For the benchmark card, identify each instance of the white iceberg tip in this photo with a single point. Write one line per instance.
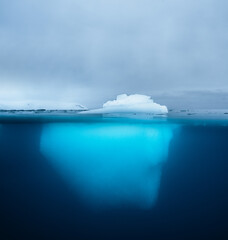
(134, 103)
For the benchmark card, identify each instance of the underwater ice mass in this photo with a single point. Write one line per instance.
(109, 164)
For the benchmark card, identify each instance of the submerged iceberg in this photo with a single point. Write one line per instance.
(109, 163)
(134, 103)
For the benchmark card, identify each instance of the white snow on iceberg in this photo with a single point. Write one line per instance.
(135, 103)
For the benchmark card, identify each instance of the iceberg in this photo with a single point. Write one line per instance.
(109, 164)
(135, 103)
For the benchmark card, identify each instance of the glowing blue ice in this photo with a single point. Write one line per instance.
(110, 164)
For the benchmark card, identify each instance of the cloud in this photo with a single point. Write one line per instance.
(108, 47)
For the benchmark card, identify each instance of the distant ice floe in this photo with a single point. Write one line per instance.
(47, 105)
(134, 103)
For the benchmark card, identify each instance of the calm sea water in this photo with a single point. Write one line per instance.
(113, 179)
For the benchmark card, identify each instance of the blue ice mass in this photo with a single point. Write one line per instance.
(111, 164)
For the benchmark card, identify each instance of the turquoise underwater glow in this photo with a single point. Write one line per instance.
(109, 164)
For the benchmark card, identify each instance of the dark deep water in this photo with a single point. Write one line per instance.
(192, 203)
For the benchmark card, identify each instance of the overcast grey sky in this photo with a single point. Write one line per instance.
(89, 51)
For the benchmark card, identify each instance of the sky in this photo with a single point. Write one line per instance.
(89, 51)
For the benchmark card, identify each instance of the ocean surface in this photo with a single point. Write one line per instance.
(70, 176)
